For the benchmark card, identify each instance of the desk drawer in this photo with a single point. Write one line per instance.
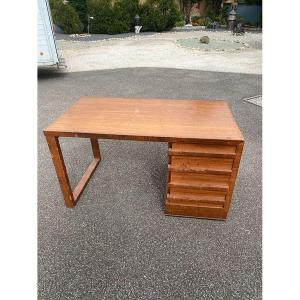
(202, 164)
(200, 181)
(180, 195)
(221, 151)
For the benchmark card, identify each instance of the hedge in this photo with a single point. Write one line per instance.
(159, 15)
(65, 17)
(109, 18)
(106, 18)
(127, 10)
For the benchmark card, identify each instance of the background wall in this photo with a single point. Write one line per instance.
(251, 13)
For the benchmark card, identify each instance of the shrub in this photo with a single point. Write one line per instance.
(108, 18)
(80, 7)
(180, 23)
(65, 17)
(126, 10)
(158, 15)
(207, 22)
(201, 21)
(218, 16)
(195, 20)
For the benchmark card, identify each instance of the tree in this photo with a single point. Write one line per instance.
(211, 5)
(186, 6)
(214, 6)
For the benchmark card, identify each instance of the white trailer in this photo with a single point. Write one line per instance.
(47, 50)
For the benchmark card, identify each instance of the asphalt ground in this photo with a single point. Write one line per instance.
(117, 243)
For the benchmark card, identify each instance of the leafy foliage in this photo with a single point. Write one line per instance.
(107, 18)
(180, 23)
(201, 21)
(159, 15)
(112, 17)
(65, 16)
(215, 13)
(80, 7)
(127, 10)
(213, 5)
(220, 15)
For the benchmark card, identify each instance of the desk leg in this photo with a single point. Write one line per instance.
(95, 148)
(71, 198)
(61, 170)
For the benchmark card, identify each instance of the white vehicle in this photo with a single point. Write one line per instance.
(47, 50)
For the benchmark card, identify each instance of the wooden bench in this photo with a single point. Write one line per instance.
(205, 147)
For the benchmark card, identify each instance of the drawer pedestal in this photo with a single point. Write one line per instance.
(201, 179)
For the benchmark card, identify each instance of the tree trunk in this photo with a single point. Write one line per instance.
(187, 5)
(216, 5)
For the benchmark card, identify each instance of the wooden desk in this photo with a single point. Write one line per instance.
(205, 147)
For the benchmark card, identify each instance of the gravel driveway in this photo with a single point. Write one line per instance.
(159, 50)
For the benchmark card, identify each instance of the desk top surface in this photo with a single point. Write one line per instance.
(147, 119)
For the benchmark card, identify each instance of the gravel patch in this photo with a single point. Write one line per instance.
(213, 45)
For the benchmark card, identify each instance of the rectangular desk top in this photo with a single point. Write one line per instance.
(147, 119)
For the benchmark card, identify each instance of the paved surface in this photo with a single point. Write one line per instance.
(101, 52)
(117, 243)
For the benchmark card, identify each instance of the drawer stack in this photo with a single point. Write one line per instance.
(201, 179)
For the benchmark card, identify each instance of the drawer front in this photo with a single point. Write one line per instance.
(203, 150)
(200, 181)
(181, 192)
(178, 195)
(195, 211)
(201, 163)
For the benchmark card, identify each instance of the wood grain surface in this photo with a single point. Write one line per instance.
(148, 119)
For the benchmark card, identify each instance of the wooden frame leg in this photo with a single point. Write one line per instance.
(71, 198)
(89, 171)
